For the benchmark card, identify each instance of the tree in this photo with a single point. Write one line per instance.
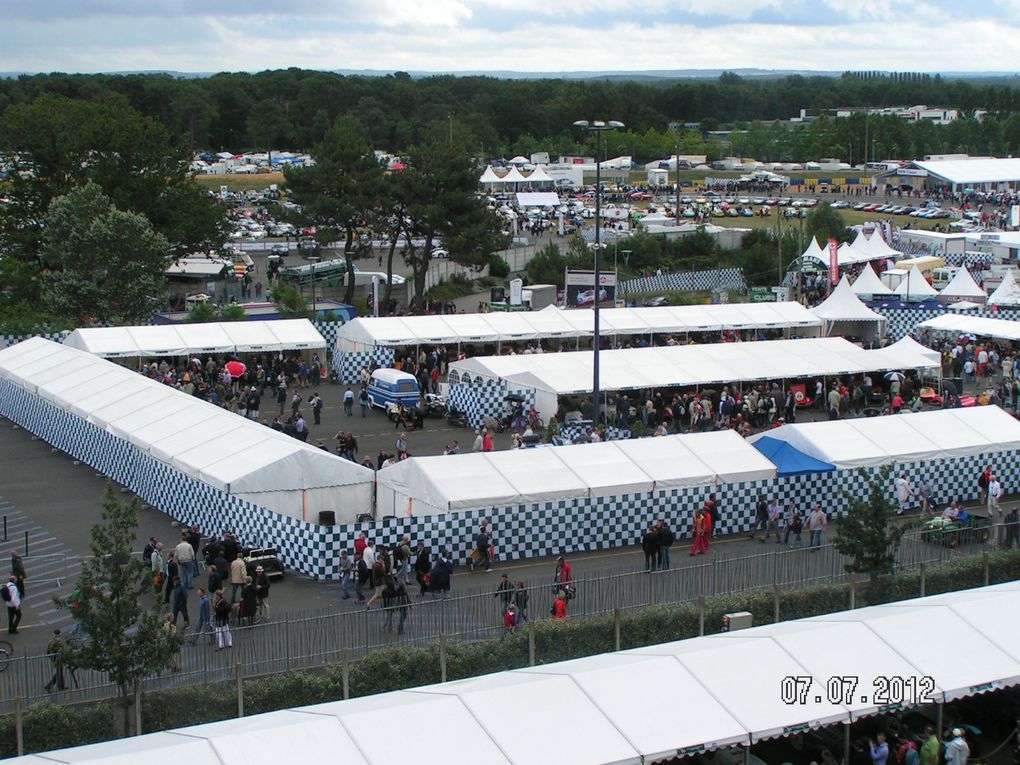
(439, 186)
(103, 264)
(824, 223)
(547, 266)
(289, 301)
(866, 536)
(341, 191)
(122, 638)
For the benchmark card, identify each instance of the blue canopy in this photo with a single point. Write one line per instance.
(788, 459)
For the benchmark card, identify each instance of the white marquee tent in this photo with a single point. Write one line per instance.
(876, 441)
(551, 322)
(845, 314)
(874, 244)
(226, 451)
(973, 325)
(489, 176)
(1007, 293)
(188, 339)
(861, 250)
(615, 700)
(680, 365)
(432, 485)
(915, 287)
(963, 287)
(868, 285)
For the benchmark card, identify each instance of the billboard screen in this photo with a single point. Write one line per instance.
(581, 293)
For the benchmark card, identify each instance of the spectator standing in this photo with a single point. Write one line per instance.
(559, 606)
(13, 598)
(521, 602)
(18, 572)
(957, 750)
(347, 568)
(262, 592)
(509, 620)
(775, 512)
(363, 401)
(180, 602)
(818, 524)
(205, 626)
(650, 547)
(349, 402)
(238, 574)
(666, 540)
(563, 577)
(702, 530)
(221, 613)
(315, 401)
(184, 554)
(504, 591)
(879, 749)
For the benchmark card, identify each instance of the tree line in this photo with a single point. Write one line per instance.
(295, 108)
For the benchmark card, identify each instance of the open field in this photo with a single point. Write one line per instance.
(246, 182)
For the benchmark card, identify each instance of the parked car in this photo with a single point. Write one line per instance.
(588, 296)
(655, 302)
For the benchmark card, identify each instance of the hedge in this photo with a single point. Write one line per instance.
(48, 726)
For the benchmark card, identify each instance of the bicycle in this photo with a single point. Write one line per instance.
(6, 654)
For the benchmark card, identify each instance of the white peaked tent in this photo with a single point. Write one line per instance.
(908, 346)
(815, 251)
(539, 176)
(518, 160)
(230, 453)
(845, 314)
(489, 176)
(869, 285)
(873, 245)
(1007, 293)
(979, 326)
(514, 176)
(914, 287)
(877, 441)
(963, 287)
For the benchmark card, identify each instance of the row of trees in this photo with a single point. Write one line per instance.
(296, 108)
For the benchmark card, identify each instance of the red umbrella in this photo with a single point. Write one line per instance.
(236, 369)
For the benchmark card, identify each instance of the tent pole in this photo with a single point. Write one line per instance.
(938, 718)
(846, 743)
(747, 754)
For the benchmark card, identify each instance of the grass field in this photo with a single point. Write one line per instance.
(850, 217)
(255, 182)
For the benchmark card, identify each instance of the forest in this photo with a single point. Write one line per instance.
(294, 108)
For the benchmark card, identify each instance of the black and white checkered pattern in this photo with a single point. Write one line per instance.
(692, 281)
(479, 398)
(348, 366)
(901, 320)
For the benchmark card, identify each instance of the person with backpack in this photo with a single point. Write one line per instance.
(666, 540)
(12, 597)
(402, 559)
(395, 599)
(441, 574)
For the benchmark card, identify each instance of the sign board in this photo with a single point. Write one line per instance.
(782, 294)
(223, 192)
(581, 291)
(274, 187)
(833, 261)
(516, 287)
(720, 296)
(912, 172)
(760, 295)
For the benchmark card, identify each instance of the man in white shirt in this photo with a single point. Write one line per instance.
(184, 554)
(904, 491)
(775, 518)
(994, 493)
(13, 598)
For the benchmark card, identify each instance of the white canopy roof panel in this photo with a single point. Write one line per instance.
(679, 365)
(189, 339)
(843, 305)
(915, 286)
(869, 283)
(201, 440)
(963, 285)
(973, 325)
(870, 442)
(725, 690)
(554, 322)
(522, 476)
(1007, 293)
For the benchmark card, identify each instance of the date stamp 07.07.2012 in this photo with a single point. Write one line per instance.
(848, 690)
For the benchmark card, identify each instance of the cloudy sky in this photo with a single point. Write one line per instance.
(520, 35)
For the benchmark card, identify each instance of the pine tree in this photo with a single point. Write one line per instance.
(120, 636)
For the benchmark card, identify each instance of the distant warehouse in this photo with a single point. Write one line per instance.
(957, 173)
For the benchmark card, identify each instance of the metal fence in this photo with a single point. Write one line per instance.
(293, 641)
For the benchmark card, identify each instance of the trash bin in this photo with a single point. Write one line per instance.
(327, 518)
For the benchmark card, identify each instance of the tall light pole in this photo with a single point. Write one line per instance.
(598, 127)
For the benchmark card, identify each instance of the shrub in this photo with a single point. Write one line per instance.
(498, 267)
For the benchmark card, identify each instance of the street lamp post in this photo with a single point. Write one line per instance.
(598, 127)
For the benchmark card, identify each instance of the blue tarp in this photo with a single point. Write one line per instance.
(790, 460)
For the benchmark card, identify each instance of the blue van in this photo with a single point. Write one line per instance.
(389, 386)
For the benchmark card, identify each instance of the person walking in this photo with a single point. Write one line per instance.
(205, 626)
(349, 402)
(363, 401)
(238, 573)
(775, 511)
(666, 540)
(509, 621)
(702, 529)
(796, 529)
(13, 598)
(18, 572)
(559, 607)
(521, 602)
(180, 602)
(904, 491)
(483, 540)
(221, 613)
(262, 593)
(563, 577)
(346, 567)
(422, 567)
(315, 401)
(504, 591)
(402, 559)
(184, 554)
(55, 650)
(818, 524)
(378, 581)
(650, 547)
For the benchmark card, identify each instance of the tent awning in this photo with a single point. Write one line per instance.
(789, 460)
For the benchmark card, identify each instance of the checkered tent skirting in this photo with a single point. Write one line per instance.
(692, 281)
(571, 434)
(901, 320)
(478, 398)
(348, 365)
(520, 531)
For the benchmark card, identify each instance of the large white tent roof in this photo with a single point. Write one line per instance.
(554, 322)
(524, 476)
(681, 365)
(915, 287)
(228, 452)
(869, 283)
(615, 700)
(973, 171)
(187, 339)
(876, 441)
(973, 325)
(963, 285)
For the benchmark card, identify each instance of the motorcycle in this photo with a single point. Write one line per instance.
(456, 418)
(435, 405)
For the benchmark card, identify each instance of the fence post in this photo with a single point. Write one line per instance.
(345, 673)
(19, 730)
(138, 708)
(286, 630)
(616, 628)
(924, 571)
(775, 604)
(531, 643)
(853, 590)
(442, 657)
(26, 544)
(985, 567)
(701, 616)
(240, 689)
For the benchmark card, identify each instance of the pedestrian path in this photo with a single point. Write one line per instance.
(52, 569)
